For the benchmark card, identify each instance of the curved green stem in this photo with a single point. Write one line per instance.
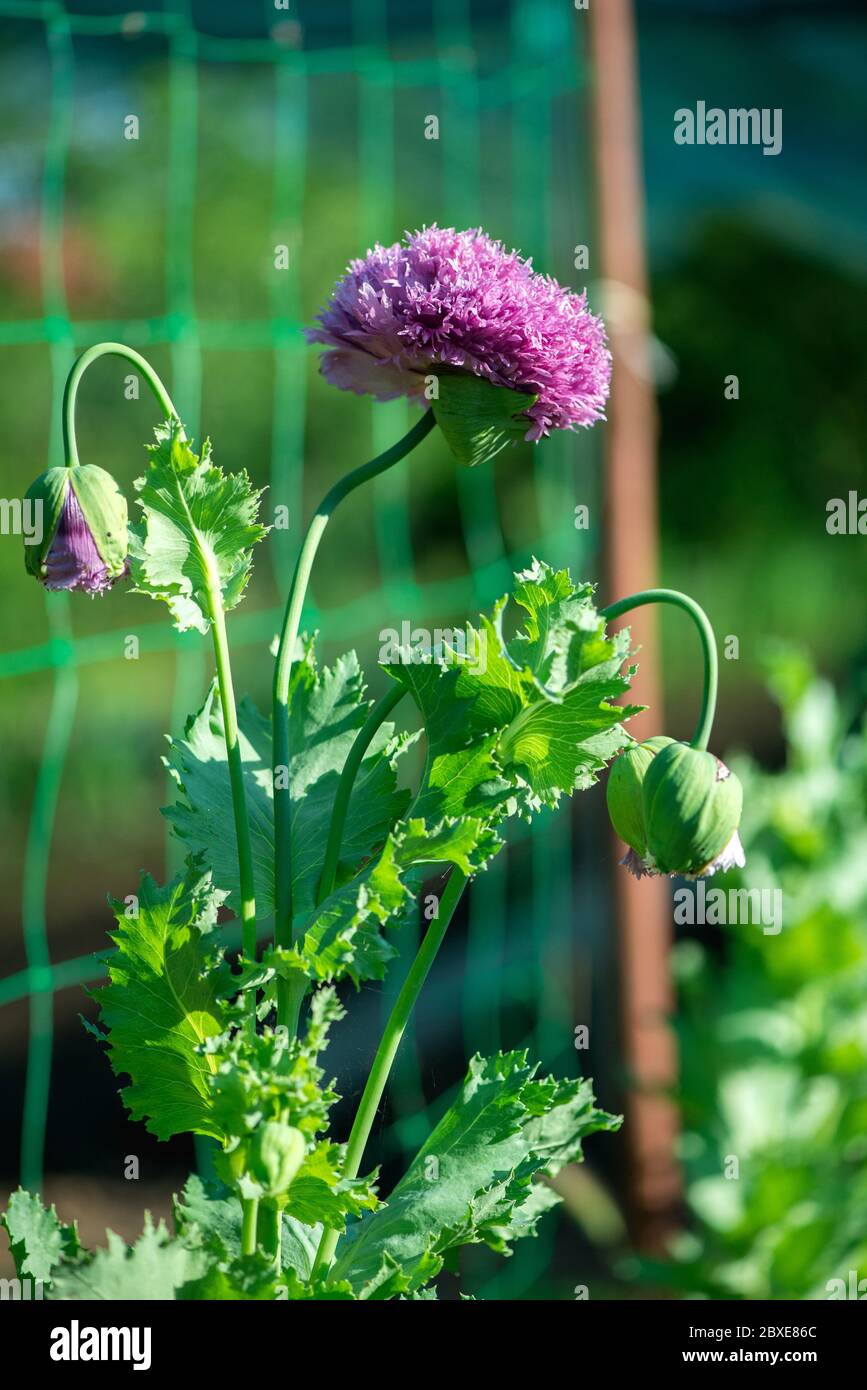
(287, 1005)
(70, 446)
(389, 1043)
(378, 714)
(708, 642)
(216, 614)
(249, 1217)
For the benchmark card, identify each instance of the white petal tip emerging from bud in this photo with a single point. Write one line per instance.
(732, 857)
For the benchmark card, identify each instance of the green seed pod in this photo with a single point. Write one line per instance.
(276, 1152)
(692, 809)
(82, 529)
(623, 792)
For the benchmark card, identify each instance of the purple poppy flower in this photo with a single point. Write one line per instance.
(83, 540)
(460, 300)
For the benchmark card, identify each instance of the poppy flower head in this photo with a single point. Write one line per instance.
(460, 300)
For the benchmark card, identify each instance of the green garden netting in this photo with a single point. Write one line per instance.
(507, 84)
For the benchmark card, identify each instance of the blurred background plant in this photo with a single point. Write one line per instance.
(773, 1025)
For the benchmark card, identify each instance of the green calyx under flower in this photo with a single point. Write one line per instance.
(678, 808)
(478, 419)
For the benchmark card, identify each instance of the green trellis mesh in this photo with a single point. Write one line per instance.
(507, 82)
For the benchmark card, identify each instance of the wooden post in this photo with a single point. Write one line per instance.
(643, 909)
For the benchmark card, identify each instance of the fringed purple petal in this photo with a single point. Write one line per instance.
(636, 865)
(368, 376)
(73, 561)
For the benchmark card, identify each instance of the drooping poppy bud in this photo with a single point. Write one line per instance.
(692, 808)
(84, 539)
(624, 791)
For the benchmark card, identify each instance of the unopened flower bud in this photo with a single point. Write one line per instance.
(83, 543)
(624, 791)
(692, 808)
(276, 1153)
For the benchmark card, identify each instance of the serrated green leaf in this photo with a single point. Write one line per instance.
(198, 528)
(498, 1219)
(38, 1239)
(343, 935)
(320, 1196)
(333, 1292)
(391, 1280)
(216, 1215)
(248, 1278)
(515, 724)
(162, 1003)
(473, 1179)
(466, 842)
(510, 725)
(462, 776)
(272, 1080)
(153, 1269)
(530, 719)
(241, 1280)
(328, 708)
(563, 636)
(557, 748)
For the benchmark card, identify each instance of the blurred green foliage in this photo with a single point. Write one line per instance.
(744, 482)
(773, 1027)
